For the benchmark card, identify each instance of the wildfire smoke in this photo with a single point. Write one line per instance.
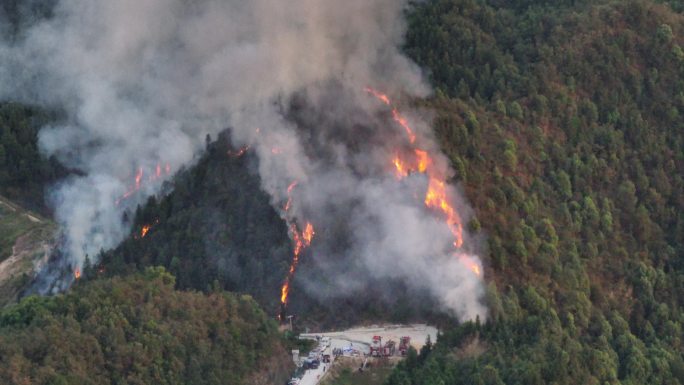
(436, 196)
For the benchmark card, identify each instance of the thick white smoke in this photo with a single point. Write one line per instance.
(143, 82)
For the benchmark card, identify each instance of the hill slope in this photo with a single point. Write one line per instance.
(565, 125)
(563, 121)
(139, 330)
(26, 240)
(217, 228)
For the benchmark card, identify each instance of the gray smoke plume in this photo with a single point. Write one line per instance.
(142, 82)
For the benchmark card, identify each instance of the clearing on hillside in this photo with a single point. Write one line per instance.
(26, 240)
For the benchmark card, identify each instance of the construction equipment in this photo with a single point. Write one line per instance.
(404, 343)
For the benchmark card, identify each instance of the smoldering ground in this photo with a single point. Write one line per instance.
(142, 82)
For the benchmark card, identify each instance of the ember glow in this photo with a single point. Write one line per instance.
(77, 273)
(145, 229)
(382, 97)
(239, 152)
(139, 179)
(437, 196)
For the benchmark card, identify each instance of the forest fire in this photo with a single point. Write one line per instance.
(77, 273)
(289, 196)
(139, 175)
(395, 113)
(436, 196)
(401, 168)
(239, 152)
(301, 241)
(145, 229)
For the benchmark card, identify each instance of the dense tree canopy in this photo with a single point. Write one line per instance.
(138, 330)
(24, 172)
(564, 123)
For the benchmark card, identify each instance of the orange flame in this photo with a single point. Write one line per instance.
(384, 98)
(77, 273)
(471, 264)
(423, 160)
(395, 113)
(301, 241)
(288, 204)
(144, 231)
(400, 166)
(436, 196)
(284, 292)
(404, 123)
(156, 175)
(308, 233)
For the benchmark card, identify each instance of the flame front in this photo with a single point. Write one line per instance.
(301, 240)
(404, 123)
(436, 197)
(144, 231)
(382, 97)
(77, 273)
(139, 174)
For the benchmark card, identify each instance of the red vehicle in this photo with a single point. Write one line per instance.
(404, 344)
(376, 347)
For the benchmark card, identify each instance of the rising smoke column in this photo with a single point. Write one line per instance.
(142, 82)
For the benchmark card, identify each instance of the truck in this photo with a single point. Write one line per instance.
(388, 350)
(376, 349)
(404, 343)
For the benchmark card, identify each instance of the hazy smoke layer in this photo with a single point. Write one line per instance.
(143, 82)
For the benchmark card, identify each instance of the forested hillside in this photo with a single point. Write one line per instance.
(24, 172)
(564, 123)
(216, 228)
(216, 225)
(139, 330)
